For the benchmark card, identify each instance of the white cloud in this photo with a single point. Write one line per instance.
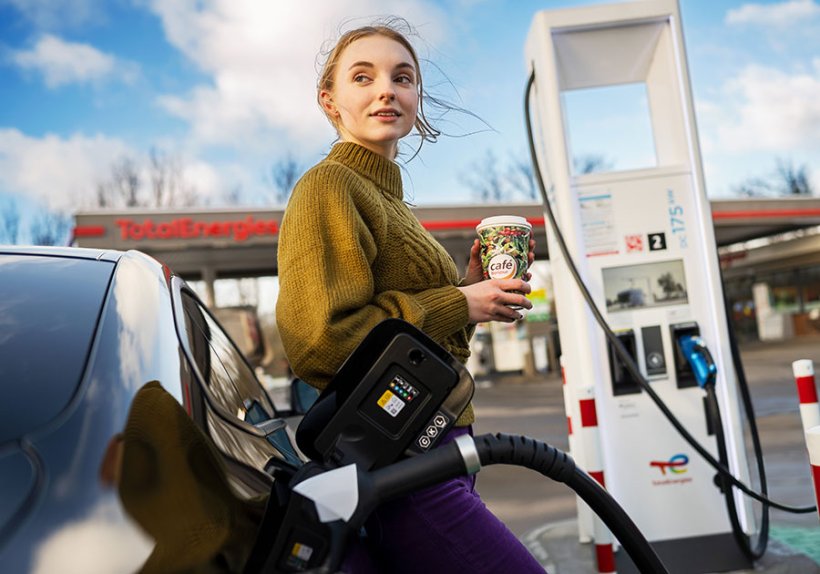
(52, 14)
(778, 15)
(61, 62)
(64, 172)
(261, 57)
(55, 170)
(204, 178)
(765, 109)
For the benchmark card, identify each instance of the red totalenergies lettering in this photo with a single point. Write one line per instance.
(187, 228)
(675, 465)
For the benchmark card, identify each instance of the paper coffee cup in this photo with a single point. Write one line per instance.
(505, 246)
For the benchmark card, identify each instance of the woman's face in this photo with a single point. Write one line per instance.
(375, 95)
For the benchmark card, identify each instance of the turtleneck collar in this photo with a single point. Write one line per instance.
(375, 167)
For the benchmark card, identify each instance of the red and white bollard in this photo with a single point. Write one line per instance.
(806, 393)
(813, 444)
(604, 550)
(585, 514)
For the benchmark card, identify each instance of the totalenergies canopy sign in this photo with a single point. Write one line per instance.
(189, 228)
(120, 230)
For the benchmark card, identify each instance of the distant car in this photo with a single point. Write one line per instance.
(631, 298)
(134, 436)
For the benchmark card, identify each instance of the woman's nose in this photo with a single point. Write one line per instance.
(387, 92)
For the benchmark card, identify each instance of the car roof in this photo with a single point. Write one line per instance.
(58, 251)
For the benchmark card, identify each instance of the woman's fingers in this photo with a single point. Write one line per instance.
(474, 271)
(513, 285)
(496, 300)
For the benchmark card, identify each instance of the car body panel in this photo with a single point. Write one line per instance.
(60, 501)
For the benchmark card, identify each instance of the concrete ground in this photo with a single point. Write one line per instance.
(542, 513)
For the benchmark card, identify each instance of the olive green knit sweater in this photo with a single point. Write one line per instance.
(351, 254)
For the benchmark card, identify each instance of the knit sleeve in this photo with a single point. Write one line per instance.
(327, 301)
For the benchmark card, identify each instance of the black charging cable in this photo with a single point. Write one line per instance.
(454, 459)
(466, 455)
(745, 393)
(629, 363)
(705, 371)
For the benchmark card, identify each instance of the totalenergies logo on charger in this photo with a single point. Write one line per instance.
(675, 465)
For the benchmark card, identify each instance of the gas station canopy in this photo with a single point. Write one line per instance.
(241, 242)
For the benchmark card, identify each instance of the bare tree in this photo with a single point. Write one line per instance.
(10, 222)
(491, 179)
(521, 177)
(794, 181)
(160, 172)
(168, 185)
(483, 177)
(284, 173)
(50, 228)
(754, 187)
(165, 174)
(126, 181)
(786, 180)
(590, 163)
(121, 189)
(234, 195)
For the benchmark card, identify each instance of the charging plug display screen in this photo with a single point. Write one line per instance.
(393, 403)
(399, 393)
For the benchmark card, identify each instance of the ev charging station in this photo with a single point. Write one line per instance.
(643, 242)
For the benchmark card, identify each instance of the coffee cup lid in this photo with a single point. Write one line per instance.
(503, 220)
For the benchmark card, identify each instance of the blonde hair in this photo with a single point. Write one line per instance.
(389, 28)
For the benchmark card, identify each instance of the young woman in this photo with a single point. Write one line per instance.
(351, 253)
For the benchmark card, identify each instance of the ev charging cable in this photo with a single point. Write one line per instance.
(619, 347)
(370, 489)
(703, 366)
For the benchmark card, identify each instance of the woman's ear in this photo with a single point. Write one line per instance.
(327, 103)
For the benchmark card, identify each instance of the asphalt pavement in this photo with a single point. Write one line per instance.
(542, 513)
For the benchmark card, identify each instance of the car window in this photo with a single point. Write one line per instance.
(228, 378)
(49, 307)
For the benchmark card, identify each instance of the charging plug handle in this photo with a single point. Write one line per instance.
(697, 353)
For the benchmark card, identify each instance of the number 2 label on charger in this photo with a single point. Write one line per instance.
(391, 403)
(657, 241)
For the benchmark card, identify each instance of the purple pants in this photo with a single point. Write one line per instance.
(444, 528)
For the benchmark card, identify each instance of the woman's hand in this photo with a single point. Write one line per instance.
(530, 258)
(475, 272)
(489, 300)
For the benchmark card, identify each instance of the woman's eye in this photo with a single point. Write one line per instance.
(404, 79)
(358, 78)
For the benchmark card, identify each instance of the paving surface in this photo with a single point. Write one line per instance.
(542, 513)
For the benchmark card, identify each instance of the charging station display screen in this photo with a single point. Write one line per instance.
(393, 402)
(645, 285)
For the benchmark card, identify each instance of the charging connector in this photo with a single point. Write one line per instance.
(700, 359)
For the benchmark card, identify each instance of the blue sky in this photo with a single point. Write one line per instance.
(226, 88)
